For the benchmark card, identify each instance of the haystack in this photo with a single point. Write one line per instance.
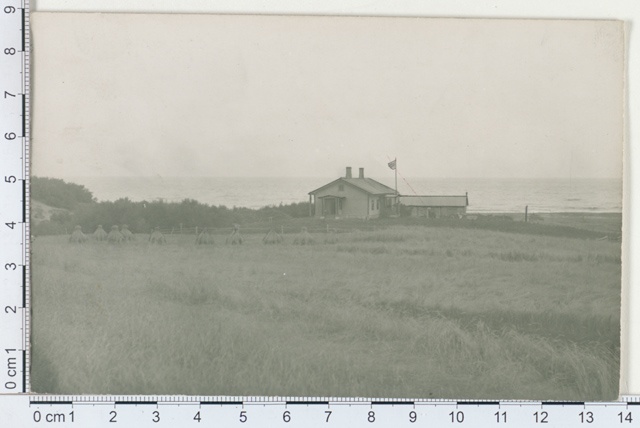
(114, 235)
(126, 233)
(235, 237)
(77, 237)
(272, 237)
(157, 237)
(331, 237)
(204, 238)
(303, 238)
(100, 234)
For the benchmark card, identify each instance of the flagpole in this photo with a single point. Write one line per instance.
(396, 171)
(397, 199)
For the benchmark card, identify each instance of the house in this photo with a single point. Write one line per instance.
(351, 197)
(434, 206)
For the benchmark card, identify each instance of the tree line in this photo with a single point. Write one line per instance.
(79, 207)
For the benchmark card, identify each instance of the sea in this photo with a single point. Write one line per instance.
(486, 195)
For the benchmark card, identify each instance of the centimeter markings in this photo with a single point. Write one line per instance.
(26, 164)
(283, 411)
(14, 210)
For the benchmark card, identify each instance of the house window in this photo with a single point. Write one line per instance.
(340, 204)
(377, 204)
(372, 205)
(341, 188)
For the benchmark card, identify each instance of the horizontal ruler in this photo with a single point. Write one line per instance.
(136, 411)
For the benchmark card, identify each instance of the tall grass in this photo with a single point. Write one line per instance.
(403, 312)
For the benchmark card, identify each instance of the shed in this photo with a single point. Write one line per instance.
(435, 206)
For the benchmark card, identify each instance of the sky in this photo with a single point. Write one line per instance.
(275, 96)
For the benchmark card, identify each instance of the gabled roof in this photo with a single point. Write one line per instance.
(333, 196)
(368, 185)
(434, 201)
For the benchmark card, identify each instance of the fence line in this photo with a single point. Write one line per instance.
(260, 229)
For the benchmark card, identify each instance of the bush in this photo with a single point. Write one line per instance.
(58, 193)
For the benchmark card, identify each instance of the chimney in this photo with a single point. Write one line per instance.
(361, 172)
(348, 172)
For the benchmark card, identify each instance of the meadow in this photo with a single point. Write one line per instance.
(401, 311)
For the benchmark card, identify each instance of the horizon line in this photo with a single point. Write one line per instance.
(318, 177)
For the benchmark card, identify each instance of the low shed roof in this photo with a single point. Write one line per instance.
(434, 201)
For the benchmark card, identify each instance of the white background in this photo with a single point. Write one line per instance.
(628, 10)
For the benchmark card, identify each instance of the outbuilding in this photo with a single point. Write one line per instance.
(434, 206)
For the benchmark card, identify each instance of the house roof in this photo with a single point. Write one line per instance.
(333, 196)
(368, 185)
(434, 201)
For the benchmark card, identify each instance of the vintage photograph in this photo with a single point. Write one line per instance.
(326, 206)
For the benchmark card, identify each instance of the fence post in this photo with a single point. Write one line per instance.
(526, 213)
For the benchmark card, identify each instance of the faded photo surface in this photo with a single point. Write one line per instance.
(326, 206)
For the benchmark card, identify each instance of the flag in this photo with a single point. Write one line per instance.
(392, 164)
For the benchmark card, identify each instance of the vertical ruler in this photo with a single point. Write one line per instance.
(14, 195)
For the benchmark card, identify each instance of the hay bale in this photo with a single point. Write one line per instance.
(100, 234)
(331, 237)
(77, 237)
(303, 238)
(126, 233)
(272, 237)
(235, 237)
(157, 237)
(115, 237)
(204, 238)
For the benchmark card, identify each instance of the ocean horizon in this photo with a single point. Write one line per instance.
(485, 194)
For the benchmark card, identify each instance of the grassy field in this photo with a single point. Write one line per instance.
(403, 311)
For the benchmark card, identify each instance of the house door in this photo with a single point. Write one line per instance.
(329, 207)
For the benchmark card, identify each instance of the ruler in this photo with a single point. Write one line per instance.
(14, 194)
(19, 408)
(149, 411)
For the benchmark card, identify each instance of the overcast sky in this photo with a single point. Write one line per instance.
(170, 95)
